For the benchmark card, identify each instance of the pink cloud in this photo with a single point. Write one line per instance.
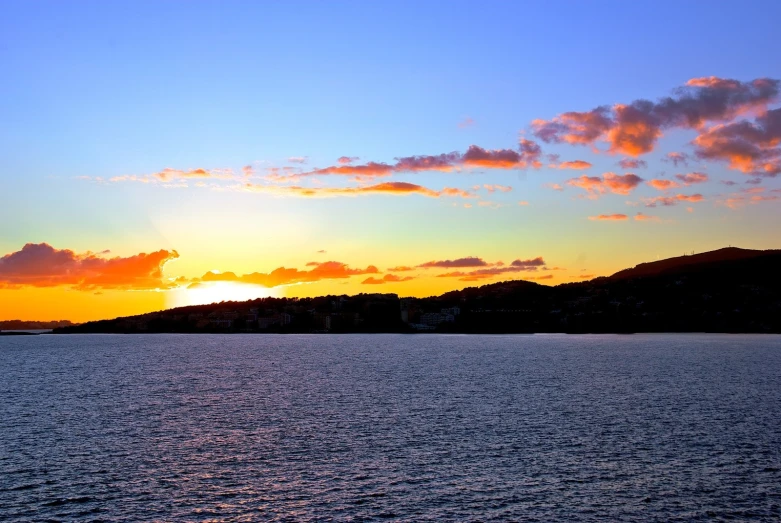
(575, 164)
(663, 185)
(610, 182)
(634, 128)
(751, 147)
(692, 178)
(609, 217)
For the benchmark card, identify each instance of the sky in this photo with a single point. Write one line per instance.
(158, 154)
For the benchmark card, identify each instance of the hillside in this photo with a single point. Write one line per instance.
(728, 290)
(694, 261)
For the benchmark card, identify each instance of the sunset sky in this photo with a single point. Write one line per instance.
(156, 154)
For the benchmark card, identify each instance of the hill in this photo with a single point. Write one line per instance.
(694, 261)
(728, 290)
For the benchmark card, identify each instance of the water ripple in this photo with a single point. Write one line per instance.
(403, 428)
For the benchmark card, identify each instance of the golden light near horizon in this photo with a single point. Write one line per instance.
(204, 293)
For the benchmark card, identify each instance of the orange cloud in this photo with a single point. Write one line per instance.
(662, 185)
(401, 268)
(609, 217)
(396, 188)
(574, 127)
(369, 170)
(668, 201)
(527, 155)
(646, 218)
(610, 182)
(388, 278)
(751, 147)
(283, 276)
(41, 265)
(502, 188)
(493, 159)
(575, 164)
(634, 128)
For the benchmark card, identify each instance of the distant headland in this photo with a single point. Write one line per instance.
(727, 290)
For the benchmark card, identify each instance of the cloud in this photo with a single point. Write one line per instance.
(628, 163)
(466, 122)
(345, 160)
(523, 203)
(41, 265)
(646, 218)
(168, 176)
(663, 185)
(388, 278)
(575, 164)
(691, 178)
(475, 157)
(750, 147)
(669, 201)
(496, 187)
(574, 127)
(284, 276)
(401, 268)
(469, 261)
(248, 170)
(610, 182)
(633, 129)
(298, 159)
(554, 186)
(394, 188)
(484, 269)
(534, 262)
(491, 272)
(609, 217)
(368, 170)
(676, 158)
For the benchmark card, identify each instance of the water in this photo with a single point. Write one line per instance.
(410, 428)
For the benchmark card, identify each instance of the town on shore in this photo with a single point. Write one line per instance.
(728, 290)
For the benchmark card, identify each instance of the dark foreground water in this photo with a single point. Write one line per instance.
(415, 428)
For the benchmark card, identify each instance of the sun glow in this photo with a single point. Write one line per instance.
(213, 292)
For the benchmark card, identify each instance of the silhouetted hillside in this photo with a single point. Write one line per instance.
(729, 290)
(682, 263)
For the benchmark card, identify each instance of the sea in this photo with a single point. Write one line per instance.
(672, 427)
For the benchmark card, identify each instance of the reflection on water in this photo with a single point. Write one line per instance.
(297, 428)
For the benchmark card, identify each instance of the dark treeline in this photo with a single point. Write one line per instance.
(729, 290)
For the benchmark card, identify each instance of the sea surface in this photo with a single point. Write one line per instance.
(393, 427)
